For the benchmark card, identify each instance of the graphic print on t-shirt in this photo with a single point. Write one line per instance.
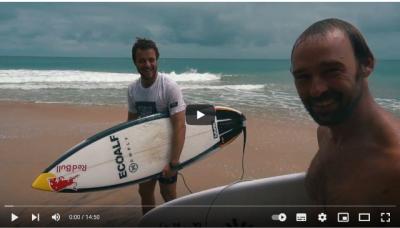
(145, 108)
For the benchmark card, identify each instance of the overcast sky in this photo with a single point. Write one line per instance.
(195, 30)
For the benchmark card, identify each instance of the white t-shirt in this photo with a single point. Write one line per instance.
(163, 96)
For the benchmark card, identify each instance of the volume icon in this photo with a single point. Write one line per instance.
(56, 217)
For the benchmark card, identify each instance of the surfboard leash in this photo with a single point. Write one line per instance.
(184, 182)
(243, 119)
(235, 182)
(244, 144)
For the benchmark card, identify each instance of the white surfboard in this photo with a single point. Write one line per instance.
(247, 203)
(135, 151)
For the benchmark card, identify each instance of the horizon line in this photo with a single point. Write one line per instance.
(121, 57)
(202, 58)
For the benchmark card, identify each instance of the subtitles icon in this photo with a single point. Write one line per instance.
(56, 217)
(364, 217)
(343, 217)
(301, 217)
(281, 217)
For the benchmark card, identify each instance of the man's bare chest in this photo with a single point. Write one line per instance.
(348, 177)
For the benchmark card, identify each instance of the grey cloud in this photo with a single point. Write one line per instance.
(251, 30)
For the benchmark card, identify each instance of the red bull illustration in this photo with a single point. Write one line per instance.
(59, 183)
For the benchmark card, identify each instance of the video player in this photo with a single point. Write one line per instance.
(291, 121)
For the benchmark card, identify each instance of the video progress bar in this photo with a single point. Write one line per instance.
(239, 206)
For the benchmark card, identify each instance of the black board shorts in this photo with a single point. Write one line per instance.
(168, 180)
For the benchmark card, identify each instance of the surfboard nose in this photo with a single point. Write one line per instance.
(42, 182)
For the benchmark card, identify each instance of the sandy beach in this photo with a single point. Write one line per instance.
(33, 135)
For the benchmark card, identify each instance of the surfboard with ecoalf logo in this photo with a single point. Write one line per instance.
(136, 151)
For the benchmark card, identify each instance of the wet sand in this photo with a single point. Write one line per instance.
(33, 135)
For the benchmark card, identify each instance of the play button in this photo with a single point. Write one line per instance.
(200, 114)
(13, 217)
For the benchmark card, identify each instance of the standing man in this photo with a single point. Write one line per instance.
(155, 93)
(358, 161)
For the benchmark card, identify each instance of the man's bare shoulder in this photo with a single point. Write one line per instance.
(392, 127)
(391, 159)
(316, 165)
(315, 172)
(392, 148)
(384, 163)
(388, 170)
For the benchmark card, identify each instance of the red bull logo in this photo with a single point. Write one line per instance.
(60, 183)
(71, 168)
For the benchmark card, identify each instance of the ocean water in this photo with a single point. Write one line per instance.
(258, 86)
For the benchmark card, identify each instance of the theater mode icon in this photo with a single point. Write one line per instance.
(364, 217)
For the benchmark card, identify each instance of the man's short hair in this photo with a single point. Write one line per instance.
(360, 46)
(144, 44)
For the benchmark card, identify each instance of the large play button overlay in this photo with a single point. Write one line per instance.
(200, 114)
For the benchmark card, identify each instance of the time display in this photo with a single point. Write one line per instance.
(84, 217)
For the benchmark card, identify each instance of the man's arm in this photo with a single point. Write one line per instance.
(178, 139)
(178, 136)
(389, 176)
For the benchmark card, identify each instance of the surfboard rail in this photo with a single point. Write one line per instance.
(249, 202)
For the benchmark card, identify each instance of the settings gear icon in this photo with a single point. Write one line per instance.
(322, 217)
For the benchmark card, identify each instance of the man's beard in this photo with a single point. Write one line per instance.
(343, 110)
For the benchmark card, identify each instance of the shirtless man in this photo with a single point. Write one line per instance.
(358, 161)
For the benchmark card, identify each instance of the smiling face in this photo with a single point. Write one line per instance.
(327, 76)
(146, 65)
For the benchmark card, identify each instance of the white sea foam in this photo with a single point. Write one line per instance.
(223, 87)
(392, 104)
(23, 76)
(193, 75)
(53, 79)
(75, 85)
(60, 76)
